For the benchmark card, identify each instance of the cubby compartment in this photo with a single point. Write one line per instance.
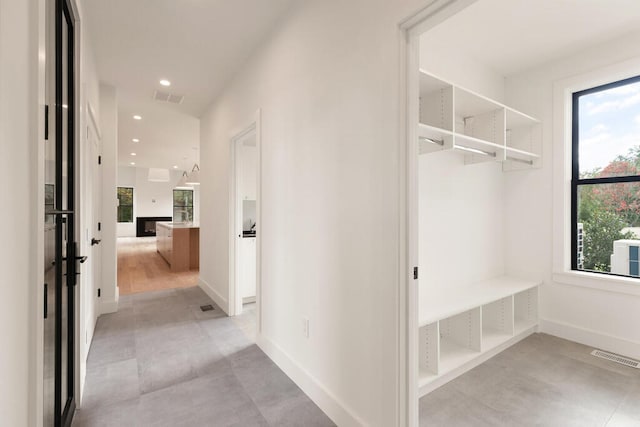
(436, 102)
(526, 309)
(460, 339)
(523, 141)
(429, 354)
(497, 322)
(436, 114)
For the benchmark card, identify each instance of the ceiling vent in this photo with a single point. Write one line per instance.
(168, 97)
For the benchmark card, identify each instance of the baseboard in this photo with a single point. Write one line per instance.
(107, 307)
(591, 338)
(339, 413)
(214, 295)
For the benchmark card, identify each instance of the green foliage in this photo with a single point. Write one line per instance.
(600, 231)
(125, 204)
(621, 198)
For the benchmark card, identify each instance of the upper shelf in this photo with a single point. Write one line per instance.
(455, 118)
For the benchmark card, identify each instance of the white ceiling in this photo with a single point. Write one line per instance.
(514, 35)
(196, 44)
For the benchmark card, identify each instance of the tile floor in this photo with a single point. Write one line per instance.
(541, 381)
(161, 361)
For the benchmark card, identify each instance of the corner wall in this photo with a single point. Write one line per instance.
(594, 317)
(327, 84)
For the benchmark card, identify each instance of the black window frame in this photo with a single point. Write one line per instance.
(179, 206)
(121, 205)
(576, 181)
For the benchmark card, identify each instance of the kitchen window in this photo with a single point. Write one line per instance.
(182, 205)
(125, 204)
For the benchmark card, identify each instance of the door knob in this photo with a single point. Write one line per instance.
(95, 241)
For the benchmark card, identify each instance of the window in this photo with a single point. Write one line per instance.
(125, 204)
(605, 181)
(182, 205)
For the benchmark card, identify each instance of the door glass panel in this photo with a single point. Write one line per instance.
(65, 177)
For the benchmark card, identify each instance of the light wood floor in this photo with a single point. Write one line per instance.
(142, 269)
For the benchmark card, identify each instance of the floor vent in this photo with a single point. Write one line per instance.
(208, 307)
(615, 358)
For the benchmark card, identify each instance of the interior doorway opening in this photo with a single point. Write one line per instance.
(244, 254)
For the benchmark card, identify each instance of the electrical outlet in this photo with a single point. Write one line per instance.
(305, 327)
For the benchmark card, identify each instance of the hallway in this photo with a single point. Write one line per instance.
(162, 361)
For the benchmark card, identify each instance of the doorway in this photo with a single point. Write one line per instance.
(61, 263)
(244, 221)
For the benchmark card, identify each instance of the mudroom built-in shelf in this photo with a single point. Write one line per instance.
(454, 118)
(461, 327)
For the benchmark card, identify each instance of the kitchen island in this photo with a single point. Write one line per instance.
(179, 245)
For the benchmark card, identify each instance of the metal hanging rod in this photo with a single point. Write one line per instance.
(433, 141)
(515, 159)
(476, 151)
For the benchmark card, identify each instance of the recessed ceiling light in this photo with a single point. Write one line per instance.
(135, 140)
(132, 163)
(175, 166)
(165, 82)
(137, 117)
(133, 154)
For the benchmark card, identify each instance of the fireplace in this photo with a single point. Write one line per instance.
(146, 225)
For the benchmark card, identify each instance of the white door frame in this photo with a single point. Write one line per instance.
(235, 222)
(411, 29)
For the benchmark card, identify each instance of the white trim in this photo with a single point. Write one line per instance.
(411, 29)
(562, 122)
(214, 295)
(38, 19)
(107, 307)
(591, 338)
(338, 411)
(234, 304)
(94, 120)
(449, 376)
(601, 282)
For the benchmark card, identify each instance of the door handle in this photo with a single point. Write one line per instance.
(82, 259)
(95, 241)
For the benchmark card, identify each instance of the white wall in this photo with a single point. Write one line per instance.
(439, 58)
(89, 99)
(151, 198)
(461, 207)
(595, 317)
(109, 128)
(21, 226)
(328, 86)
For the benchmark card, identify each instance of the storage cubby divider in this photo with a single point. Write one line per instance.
(459, 327)
(497, 322)
(429, 339)
(454, 118)
(460, 337)
(526, 309)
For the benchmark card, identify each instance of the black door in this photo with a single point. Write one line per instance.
(61, 263)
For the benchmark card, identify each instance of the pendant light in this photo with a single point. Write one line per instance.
(194, 176)
(182, 184)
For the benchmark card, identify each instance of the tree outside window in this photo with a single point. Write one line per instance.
(125, 204)
(182, 205)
